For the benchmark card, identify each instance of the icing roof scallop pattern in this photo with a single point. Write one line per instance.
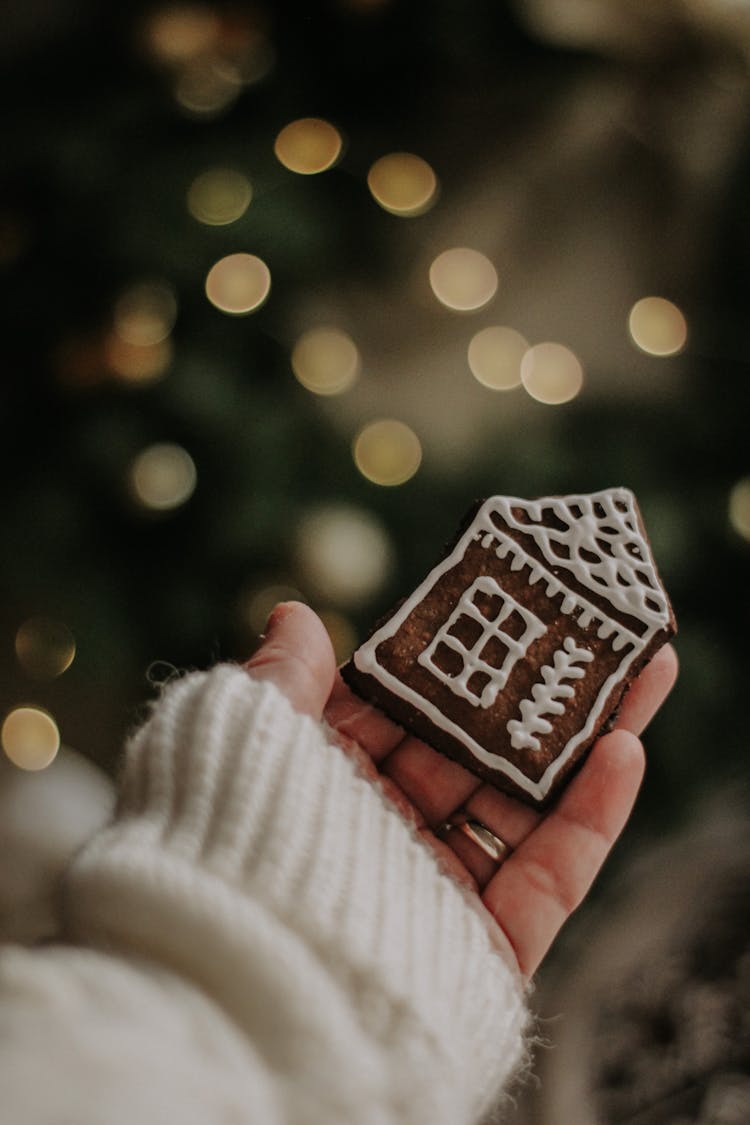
(597, 538)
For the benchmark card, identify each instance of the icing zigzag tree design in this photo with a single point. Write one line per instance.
(546, 696)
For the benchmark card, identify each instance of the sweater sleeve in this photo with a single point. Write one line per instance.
(255, 888)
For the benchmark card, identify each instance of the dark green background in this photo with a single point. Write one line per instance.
(96, 160)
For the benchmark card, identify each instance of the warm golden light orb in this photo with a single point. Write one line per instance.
(657, 326)
(204, 89)
(45, 648)
(495, 355)
(238, 284)
(219, 196)
(134, 363)
(177, 33)
(308, 146)
(551, 373)
(403, 184)
(344, 553)
(247, 58)
(145, 314)
(325, 361)
(30, 738)
(387, 452)
(138, 349)
(163, 477)
(463, 279)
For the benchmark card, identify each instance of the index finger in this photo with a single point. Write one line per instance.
(296, 655)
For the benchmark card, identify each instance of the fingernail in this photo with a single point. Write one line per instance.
(276, 616)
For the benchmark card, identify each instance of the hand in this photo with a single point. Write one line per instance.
(556, 854)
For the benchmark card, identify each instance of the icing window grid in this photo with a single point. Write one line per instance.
(491, 629)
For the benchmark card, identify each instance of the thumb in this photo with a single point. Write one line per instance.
(296, 654)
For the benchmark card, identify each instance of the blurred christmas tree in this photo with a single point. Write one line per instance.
(215, 284)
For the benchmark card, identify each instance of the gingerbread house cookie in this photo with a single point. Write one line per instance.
(514, 653)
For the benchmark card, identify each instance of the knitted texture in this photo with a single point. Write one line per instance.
(250, 858)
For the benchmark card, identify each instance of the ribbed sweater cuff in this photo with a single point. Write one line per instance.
(231, 799)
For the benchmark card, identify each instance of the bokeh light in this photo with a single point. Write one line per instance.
(308, 145)
(234, 42)
(205, 89)
(551, 373)
(326, 361)
(163, 477)
(138, 349)
(45, 648)
(248, 63)
(463, 279)
(739, 507)
(238, 284)
(344, 554)
(219, 196)
(210, 55)
(145, 314)
(136, 363)
(387, 452)
(403, 184)
(657, 326)
(30, 738)
(175, 34)
(495, 356)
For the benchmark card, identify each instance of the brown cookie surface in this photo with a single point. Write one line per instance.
(514, 652)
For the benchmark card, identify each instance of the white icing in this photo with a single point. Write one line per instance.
(546, 695)
(471, 658)
(537, 789)
(623, 538)
(617, 562)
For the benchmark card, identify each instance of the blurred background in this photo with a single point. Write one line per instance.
(285, 288)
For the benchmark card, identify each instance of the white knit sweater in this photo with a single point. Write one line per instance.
(257, 937)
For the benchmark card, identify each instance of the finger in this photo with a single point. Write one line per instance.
(354, 718)
(511, 820)
(508, 818)
(478, 866)
(647, 693)
(541, 884)
(436, 785)
(296, 654)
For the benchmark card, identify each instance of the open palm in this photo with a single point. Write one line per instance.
(557, 854)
